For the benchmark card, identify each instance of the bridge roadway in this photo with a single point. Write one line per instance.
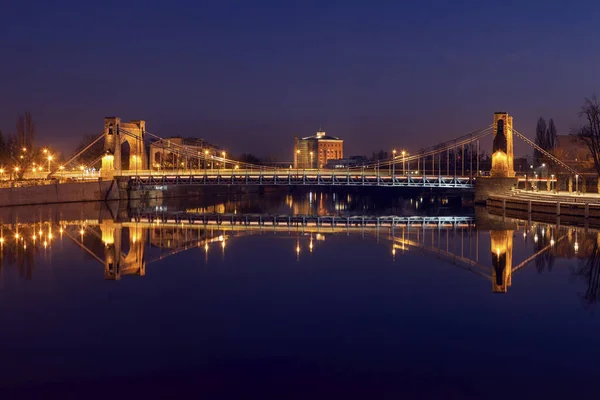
(288, 176)
(295, 177)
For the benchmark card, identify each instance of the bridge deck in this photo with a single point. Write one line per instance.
(293, 177)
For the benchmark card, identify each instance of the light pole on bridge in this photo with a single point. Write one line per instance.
(393, 163)
(403, 160)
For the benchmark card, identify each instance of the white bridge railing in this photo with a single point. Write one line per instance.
(295, 177)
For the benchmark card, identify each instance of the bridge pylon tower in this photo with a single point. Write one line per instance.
(502, 151)
(116, 133)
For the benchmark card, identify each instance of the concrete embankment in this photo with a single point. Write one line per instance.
(59, 193)
(577, 210)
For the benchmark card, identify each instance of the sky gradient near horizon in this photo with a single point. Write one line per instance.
(251, 75)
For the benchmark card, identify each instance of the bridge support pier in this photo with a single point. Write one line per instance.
(485, 187)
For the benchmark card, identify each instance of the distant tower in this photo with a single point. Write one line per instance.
(502, 151)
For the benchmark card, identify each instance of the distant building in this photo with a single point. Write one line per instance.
(316, 151)
(352, 161)
(178, 152)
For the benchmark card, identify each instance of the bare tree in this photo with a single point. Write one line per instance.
(21, 145)
(589, 133)
(25, 130)
(540, 139)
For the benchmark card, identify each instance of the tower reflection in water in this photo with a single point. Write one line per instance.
(129, 247)
(502, 252)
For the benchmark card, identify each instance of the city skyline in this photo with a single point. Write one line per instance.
(249, 77)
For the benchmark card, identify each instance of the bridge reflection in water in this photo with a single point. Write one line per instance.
(129, 247)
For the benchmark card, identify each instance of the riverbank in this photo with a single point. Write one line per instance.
(547, 207)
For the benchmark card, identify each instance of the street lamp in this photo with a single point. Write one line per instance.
(49, 159)
(205, 159)
(403, 159)
(393, 164)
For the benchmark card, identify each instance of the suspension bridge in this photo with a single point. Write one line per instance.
(454, 164)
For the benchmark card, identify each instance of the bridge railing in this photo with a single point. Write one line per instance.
(293, 177)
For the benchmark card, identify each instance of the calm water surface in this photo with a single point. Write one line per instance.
(487, 308)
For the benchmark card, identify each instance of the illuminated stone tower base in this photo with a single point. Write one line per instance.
(502, 150)
(117, 132)
(502, 175)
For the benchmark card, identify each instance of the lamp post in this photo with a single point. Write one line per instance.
(205, 159)
(297, 161)
(543, 166)
(552, 184)
(576, 185)
(393, 164)
(49, 160)
(403, 159)
(224, 163)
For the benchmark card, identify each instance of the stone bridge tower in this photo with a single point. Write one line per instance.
(115, 134)
(502, 151)
(502, 175)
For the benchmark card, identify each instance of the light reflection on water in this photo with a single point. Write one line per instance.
(346, 301)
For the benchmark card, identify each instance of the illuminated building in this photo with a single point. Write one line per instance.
(315, 151)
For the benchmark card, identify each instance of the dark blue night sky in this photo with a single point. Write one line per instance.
(249, 75)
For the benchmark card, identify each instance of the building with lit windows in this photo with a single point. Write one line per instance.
(316, 151)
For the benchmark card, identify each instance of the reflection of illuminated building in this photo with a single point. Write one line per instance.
(502, 247)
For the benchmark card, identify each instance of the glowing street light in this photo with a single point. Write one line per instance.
(393, 165)
(49, 160)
